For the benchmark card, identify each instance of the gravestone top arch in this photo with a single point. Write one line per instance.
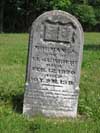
(54, 63)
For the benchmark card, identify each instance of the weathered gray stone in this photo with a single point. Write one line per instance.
(53, 71)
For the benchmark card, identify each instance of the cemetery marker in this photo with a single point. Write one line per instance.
(54, 62)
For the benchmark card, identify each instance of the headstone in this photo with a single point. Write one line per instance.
(54, 62)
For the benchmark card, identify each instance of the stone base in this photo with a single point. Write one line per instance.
(49, 113)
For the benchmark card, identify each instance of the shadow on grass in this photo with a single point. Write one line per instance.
(93, 47)
(17, 102)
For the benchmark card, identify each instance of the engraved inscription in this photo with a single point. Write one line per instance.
(56, 71)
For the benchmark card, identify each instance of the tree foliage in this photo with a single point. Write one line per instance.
(60, 4)
(17, 15)
(85, 14)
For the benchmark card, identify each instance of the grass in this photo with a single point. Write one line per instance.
(13, 54)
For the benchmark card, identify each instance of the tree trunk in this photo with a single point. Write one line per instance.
(1, 15)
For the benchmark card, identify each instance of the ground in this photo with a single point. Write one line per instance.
(13, 54)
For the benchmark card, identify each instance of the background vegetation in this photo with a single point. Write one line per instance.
(13, 54)
(17, 15)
